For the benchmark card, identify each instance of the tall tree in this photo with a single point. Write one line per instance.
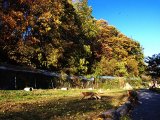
(62, 35)
(153, 65)
(126, 53)
(46, 34)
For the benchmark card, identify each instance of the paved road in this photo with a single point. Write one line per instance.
(149, 109)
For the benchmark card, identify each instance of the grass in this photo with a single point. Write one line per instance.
(56, 104)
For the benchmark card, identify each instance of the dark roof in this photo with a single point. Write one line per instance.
(28, 69)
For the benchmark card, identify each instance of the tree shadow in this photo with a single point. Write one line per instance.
(57, 109)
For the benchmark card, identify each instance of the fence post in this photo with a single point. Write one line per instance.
(15, 82)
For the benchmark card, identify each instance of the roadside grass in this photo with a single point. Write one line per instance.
(56, 104)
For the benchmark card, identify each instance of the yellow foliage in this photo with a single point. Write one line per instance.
(53, 57)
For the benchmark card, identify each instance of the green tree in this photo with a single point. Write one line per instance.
(153, 65)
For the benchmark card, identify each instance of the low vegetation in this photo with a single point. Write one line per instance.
(56, 104)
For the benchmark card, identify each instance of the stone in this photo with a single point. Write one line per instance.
(128, 87)
(122, 110)
(109, 115)
(28, 88)
(64, 88)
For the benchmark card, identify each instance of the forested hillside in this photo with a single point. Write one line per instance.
(63, 36)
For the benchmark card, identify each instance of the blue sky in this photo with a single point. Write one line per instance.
(138, 19)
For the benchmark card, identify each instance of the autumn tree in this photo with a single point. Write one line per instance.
(47, 34)
(63, 36)
(126, 53)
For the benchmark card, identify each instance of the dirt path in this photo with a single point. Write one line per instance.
(149, 109)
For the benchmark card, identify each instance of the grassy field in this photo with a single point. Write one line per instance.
(56, 104)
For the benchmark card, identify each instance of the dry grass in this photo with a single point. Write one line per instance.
(56, 104)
